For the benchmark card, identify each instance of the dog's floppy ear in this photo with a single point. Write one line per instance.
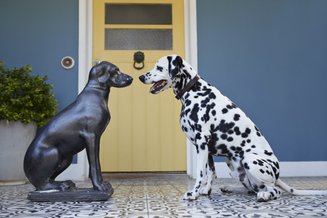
(178, 62)
(177, 65)
(103, 75)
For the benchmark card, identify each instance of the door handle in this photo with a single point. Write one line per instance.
(138, 60)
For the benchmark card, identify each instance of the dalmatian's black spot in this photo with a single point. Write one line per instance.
(244, 135)
(197, 188)
(229, 107)
(187, 102)
(230, 139)
(206, 115)
(237, 130)
(255, 162)
(246, 166)
(212, 96)
(230, 132)
(198, 127)
(224, 111)
(194, 113)
(197, 149)
(258, 132)
(236, 117)
(268, 153)
(198, 136)
(247, 131)
(248, 140)
(213, 112)
(260, 162)
(223, 136)
(185, 112)
(247, 150)
(275, 172)
(225, 127)
(252, 146)
(159, 68)
(262, 171)
(205, 102)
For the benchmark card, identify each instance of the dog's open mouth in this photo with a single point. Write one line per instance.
(158, 86)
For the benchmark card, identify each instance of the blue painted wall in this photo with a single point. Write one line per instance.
(270, 58)
(40, 33)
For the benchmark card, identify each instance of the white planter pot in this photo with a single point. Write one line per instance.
(15, 137)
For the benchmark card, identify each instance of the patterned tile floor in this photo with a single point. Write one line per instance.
(159, 195)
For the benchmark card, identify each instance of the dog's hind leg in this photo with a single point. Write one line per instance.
(262, 175)
(40, 163)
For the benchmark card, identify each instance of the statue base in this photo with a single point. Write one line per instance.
(76, 194)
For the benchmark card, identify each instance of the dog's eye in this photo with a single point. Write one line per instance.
(159, 68)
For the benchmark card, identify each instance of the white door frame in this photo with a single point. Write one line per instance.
(79, 171)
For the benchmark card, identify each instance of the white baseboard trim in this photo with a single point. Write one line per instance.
(287, 169)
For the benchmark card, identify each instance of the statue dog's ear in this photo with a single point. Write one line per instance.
(103, 75)
(177, 65)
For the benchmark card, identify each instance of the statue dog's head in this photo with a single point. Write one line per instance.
(105, 75)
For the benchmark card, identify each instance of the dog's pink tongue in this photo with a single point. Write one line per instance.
(158, 86)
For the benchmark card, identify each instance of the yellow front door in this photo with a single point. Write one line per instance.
(144, 133)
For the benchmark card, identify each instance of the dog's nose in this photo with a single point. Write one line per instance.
(142, 78)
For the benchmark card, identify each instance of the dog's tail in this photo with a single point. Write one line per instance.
(294, 191)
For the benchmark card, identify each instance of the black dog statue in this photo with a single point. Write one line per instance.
(78, 126)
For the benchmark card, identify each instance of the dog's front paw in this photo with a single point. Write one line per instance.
(226, 189)
(191, 195)
(205, 190)
(103, 187)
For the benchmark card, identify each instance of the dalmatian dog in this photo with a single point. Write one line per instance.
(216, 126)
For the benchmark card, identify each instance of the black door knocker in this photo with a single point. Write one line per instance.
(138, 60)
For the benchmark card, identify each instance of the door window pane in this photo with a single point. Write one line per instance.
(138, 39)
(138, 14)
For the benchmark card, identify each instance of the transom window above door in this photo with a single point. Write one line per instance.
(138, 27)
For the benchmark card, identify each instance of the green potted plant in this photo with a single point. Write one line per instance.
(26, 102)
